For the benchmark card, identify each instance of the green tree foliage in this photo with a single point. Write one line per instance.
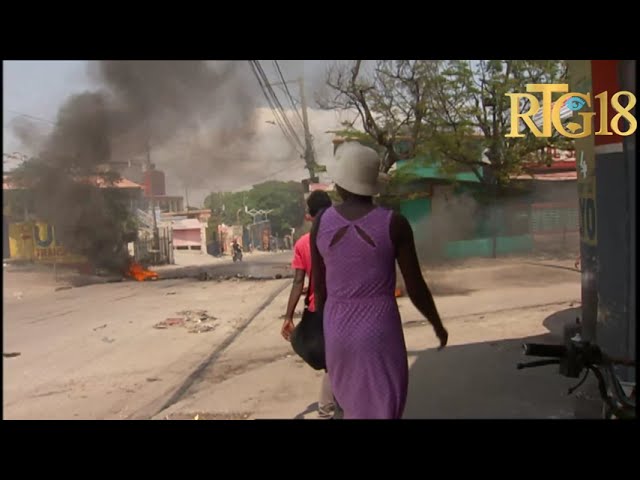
(227, 208)
(453, 112)
(389, 102)
(470, 114)
(284, 199)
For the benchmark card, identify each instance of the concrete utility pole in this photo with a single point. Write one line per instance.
(156, 233)
(606, 194)
(309, 157)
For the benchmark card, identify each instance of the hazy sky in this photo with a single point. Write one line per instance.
(39, 88)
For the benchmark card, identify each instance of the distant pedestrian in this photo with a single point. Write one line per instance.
(301, 264)
(354, 248)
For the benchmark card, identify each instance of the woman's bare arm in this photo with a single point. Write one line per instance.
(417, 289)
(318, 271)
(296, 292)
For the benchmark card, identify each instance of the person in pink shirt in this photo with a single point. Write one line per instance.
(301, 264)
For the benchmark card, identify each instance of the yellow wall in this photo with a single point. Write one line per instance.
(23, 244)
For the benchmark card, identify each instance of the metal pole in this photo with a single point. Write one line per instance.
(308, 148)
(494, 229)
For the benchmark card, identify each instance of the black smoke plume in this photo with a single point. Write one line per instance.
(140, 107)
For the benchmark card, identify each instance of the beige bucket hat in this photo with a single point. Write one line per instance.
(357, 169)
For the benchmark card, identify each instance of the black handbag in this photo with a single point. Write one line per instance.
(307, 339)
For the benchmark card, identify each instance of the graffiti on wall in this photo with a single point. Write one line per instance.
(36, 241)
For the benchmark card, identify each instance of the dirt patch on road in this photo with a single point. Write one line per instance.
(232, 367)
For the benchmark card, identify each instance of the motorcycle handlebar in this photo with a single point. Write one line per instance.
(542, 350)
(537, 363)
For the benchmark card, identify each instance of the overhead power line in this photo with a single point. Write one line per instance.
(284, 84)
(271, 106)
(32, 117)
(276, 107)
(285, 118)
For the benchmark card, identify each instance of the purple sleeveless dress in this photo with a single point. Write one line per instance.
(364, 342)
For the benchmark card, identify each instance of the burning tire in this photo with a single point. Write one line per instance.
(139, 273)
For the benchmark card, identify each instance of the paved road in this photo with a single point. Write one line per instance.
(259, 265)
(489, 312)
(92, 352)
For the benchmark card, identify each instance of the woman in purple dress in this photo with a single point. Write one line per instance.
(354, 247)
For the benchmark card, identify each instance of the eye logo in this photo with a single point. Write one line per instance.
(575, 104)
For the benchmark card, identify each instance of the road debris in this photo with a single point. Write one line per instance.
(202, 328)
(196, 321)
(197, 417)
(170, 293)
(197, 315)
(100, 327)
(170, 322)
(108, 340)
(153, 379)
(11, 354)
(63, 288)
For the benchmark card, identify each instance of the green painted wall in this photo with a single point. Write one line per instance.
(483, 247)
(416, 210)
